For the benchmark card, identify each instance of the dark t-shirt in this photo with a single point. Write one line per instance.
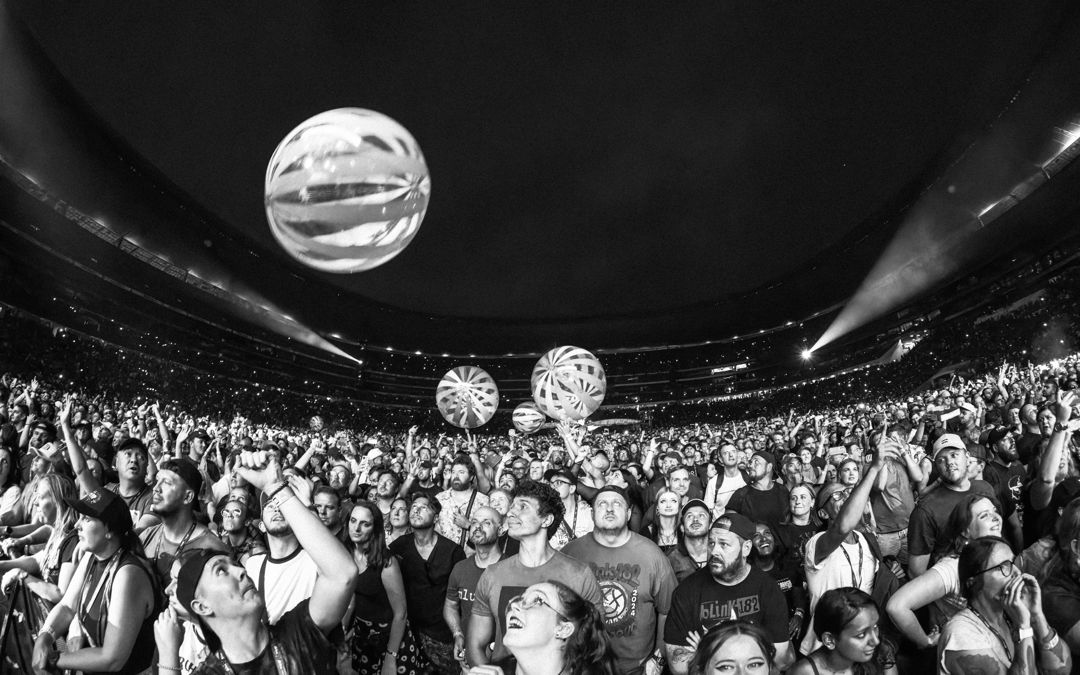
(700, 602)
(793, 540)
(761, 506)
(1027, 447)
(932, 512)
(1061, 604)
(426, 582)
(462, 587)
(300, 643)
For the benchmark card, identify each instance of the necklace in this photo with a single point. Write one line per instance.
(179, 547)
(1004, 644)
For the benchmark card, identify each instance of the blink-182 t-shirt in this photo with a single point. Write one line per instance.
(700, 602)
(636, 581)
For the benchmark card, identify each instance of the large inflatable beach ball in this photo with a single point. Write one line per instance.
(568, 383)
(527, 418)
(316, 423)
(346, 190)
(467, 397)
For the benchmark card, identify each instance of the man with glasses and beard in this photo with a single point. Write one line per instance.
(728, 588)
(635, 578)
(484, 527)
(457, 504)
(577, 518)
(427, 558)
(175, 497)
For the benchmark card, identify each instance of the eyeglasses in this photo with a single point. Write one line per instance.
(1006, 568)
(560, 482)
(536, 600)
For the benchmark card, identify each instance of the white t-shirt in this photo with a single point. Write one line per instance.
(288, 581)
(849, 565)
(965, 632)
(717, 499)
(947, 570)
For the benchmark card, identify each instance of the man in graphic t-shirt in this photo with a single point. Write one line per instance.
(635, 578)
(728, 588)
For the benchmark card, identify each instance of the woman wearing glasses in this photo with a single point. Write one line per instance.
(551, 630)
(1003, 629)
(974, 517)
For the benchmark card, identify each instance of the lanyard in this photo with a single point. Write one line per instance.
(179, 547)
(84, 592)
(571, 530)
(277, 651)
(1004, 644)
(855, 578)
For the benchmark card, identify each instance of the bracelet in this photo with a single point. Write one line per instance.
(1051, 642)
(171, 668)
(1025, 634)
(274, 488)
(281, 496)
(390, 653)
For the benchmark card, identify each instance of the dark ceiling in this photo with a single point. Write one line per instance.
(605, 176)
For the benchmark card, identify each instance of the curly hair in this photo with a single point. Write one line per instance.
(719, 634)
(588, 649)
(547, 500)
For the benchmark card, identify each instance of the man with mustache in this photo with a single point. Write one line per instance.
(484, 527)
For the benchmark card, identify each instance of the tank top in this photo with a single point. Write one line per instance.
(372, 602)
(93, 609)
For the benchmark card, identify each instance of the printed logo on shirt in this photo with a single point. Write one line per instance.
(716, 611)
(619, 589)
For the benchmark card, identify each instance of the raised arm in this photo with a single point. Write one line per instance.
(851, 512)
(87, 482)
(336, 570)
(1042, 488)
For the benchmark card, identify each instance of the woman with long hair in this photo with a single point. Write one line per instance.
(1003, 628)
(551, 630)
(46, 573)
(846, 621)
(11, 506)
(113, 594)
(734, 646)
(664, 529)
(377, 624)
(973, 517)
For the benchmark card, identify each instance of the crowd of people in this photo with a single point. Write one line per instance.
(930, 532)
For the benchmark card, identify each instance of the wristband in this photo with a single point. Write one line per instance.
(281, 496)
(169, 668)
(1025, 634)
(275, 487)
(1051, 642)
(46, 630)
(390, 653)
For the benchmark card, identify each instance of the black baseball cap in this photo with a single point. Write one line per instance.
(106, 506)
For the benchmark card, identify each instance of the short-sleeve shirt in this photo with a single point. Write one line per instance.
(138, 504)
(849, 565)
(636, 582)
(932, 512)
(700, 602)
(163, 552)
(462, 587)
(892, 505)
(761, 506)
(509, 578)
(284, 582)
(451, 505)
(964, 633)
(302, 645)
(579, 523)
(948, 573)
(426, 582)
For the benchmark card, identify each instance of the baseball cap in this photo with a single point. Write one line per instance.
(617, 489)
(948, 442)
(186, 469)
(977, 451)
(997, 435)
(559, 473)
(735, 522)
(693, 503)
(190, 572)
(826, 492)
(106, 506)
(765, 455)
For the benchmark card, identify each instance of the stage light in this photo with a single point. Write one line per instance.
(806, 354)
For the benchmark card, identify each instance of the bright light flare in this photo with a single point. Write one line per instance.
(806, 354)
